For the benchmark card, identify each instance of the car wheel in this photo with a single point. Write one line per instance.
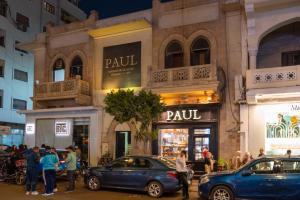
(155, 189)
(221, 193)
(93, 183)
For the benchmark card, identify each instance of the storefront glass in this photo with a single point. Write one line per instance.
(173, 141)
(282, 123)
(15, 137)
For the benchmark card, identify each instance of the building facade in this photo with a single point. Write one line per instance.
(270, 117)
(187, 51)
(19, 24)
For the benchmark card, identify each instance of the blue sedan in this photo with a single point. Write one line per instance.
(263, 178)
(154, 175)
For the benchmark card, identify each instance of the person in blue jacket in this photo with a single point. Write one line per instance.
(32, 170)
(49, 162)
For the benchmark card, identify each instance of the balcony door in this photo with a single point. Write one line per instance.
(59, 70)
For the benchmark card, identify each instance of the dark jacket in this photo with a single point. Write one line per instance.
(32, 159)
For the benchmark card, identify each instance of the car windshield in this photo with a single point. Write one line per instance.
(169, 163)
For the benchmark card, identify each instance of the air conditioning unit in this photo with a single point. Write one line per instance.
(239, 89)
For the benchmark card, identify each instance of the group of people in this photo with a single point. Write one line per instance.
(47, 165)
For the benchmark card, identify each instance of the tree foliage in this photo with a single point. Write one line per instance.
(141, 109)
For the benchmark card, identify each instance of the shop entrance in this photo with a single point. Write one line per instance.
(123, 143)
(81, 140)
(201, 143)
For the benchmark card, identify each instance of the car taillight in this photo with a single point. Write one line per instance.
(172, 174)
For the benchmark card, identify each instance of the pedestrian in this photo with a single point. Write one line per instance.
(182, 174)
(209, 163)
(237, 160)
(261, 152)
(49, 161)
(288, 153)
(54, 152)
(32, 170)
(71, 168)
(246, 158)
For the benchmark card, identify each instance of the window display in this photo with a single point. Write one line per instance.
(283, 128)
(172, 142)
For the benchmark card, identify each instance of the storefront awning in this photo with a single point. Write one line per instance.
(274, 95)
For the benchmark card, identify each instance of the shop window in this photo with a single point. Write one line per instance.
(2, 67)
(49, 8)
(1, 98)
(19, 104)
(290, 58)
(172, 142)
(174, 55)
(67, 17)
(22, 22)
(2, 37)
(76, 67)
(200, 52)
(3, 8)
(59, 70)
(20, 75)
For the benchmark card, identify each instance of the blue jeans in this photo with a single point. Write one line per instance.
(71, 179)
(31, 179)
(49, 180)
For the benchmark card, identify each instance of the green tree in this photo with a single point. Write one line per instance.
(141, 109)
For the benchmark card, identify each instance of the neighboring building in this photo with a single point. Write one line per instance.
(20, 21)
(271, 117)
(182, 50)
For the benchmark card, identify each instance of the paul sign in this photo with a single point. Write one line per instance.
(122, 66)
(180, 115)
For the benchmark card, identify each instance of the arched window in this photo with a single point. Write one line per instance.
(59, 70)
(281, 47)
(76, 67)
(174, 55)
(200, 52)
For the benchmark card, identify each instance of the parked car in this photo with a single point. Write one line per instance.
(262, 178)
(154, 175)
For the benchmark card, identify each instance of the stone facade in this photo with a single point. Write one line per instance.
(221, 23)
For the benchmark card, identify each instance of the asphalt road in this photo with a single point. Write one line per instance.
(15, 192)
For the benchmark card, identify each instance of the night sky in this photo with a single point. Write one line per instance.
(110, 8)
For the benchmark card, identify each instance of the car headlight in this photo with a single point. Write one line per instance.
(204, 180)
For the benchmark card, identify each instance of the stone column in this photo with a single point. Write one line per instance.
(252, 58)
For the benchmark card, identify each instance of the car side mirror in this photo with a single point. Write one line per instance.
(247, 172)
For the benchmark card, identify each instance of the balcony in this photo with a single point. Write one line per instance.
(67, 93)
(184, 76)
(275, 77)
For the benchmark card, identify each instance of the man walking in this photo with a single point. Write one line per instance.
(71, 168)
(182, 174)
(49, 161)
(32, 170)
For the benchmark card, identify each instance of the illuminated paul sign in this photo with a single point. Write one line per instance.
(179, 115)
(122, 66)
(62, 128)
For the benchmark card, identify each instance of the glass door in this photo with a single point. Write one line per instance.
(201, 143)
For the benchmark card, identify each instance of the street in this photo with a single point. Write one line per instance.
(15, 192)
